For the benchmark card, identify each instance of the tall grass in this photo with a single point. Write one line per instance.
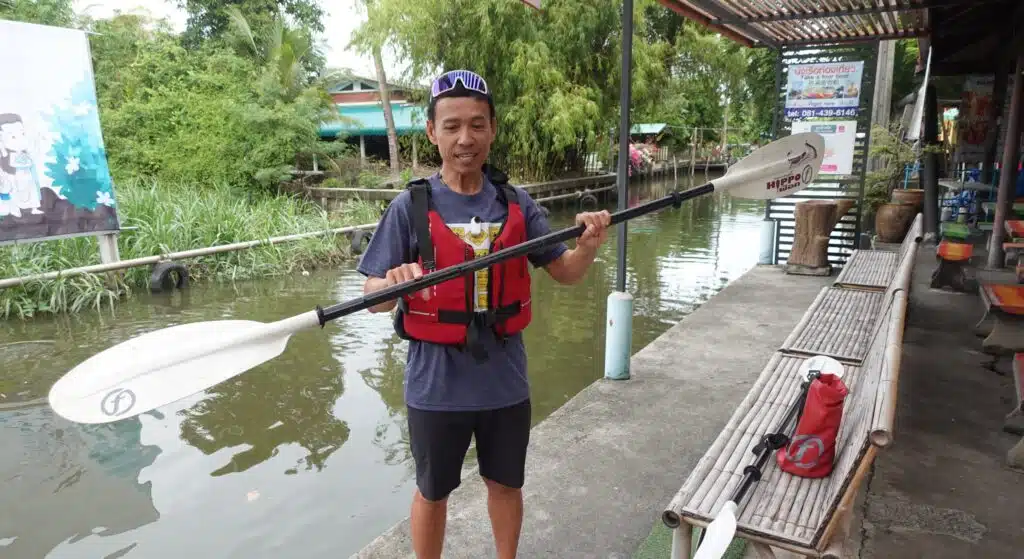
(170, 218)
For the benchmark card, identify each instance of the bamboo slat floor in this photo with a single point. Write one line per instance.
(837, 324)
(869, 269)
(875, 269)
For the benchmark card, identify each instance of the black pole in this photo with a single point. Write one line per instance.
(339, 310)
(625, 100)
(930, 164)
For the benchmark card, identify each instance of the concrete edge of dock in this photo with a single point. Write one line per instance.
(603, 466)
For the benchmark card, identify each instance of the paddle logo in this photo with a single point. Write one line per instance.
(793, 180)
(118, 401)
(805, 450)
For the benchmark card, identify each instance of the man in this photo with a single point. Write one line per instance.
(465, 374)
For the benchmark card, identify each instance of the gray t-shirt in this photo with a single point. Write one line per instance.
(447, 378)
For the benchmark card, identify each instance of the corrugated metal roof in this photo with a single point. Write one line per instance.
(796, 22)
(649, 128)
(369, 120)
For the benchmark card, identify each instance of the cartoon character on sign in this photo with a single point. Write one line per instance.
(17, 170)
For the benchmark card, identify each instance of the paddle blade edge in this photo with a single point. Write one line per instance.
(123, 382)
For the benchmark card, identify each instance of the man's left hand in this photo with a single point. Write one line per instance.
(597, 228)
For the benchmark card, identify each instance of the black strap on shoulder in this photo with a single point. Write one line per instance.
(506, 192)
(419, 191)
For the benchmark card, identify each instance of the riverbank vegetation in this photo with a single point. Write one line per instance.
(161, 218)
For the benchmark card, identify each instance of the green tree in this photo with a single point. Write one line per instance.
(555, 74)
(203, 115)
(46, 12)
(211, 18)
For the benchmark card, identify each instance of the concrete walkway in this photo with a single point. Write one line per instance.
(943, 489)
(602, 468)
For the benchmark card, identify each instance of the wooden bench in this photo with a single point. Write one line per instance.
(874, 269)
(1015, 419)
(952, 257)
(809, 517)
(1002, 325)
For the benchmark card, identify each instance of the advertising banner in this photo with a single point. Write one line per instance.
(827, 89)
(54, 180)
(840, 137)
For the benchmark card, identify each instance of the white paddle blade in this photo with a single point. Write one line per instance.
(781, 168)
(719, 534)
(162, 367)
(823, 364)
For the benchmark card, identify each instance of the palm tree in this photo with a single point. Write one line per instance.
(280, 47)
(385, 99)
(376, 44)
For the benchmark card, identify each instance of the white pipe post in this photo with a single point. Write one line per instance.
(619, 331)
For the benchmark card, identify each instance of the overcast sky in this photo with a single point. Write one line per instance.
(341, 19)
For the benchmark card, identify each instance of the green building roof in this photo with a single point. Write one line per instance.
(369, 120)
(653, 128)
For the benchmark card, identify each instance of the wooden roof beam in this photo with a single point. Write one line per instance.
(903, 6)
(718, 11)
(909, 34)
(691, 14)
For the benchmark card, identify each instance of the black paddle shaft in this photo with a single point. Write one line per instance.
(402, 289)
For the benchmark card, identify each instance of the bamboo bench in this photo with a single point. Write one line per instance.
(875, 269)
(840, 321)
(809, 517)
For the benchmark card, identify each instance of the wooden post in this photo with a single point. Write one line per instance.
(995, 118)
(1008, 174)
(882, 99)
(362, 150)
(815, 220)
(415, 158)
(693, 154)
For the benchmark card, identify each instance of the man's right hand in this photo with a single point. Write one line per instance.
(394, 276)
(405, 272)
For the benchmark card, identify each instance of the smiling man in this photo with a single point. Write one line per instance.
(465, 374)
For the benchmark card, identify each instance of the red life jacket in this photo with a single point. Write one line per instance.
(449, 316)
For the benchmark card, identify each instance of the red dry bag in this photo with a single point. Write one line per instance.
(812, 448)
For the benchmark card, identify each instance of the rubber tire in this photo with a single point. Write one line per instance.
(588, 202)
(360, 240)
(161, 276)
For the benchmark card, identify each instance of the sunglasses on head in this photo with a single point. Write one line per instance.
(447, 82)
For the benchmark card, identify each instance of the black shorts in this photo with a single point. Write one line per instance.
(440, 440)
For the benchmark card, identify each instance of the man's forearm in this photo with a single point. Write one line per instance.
(376, 284)
(572, 266)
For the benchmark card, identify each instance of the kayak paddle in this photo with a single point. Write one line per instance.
(715, 539)
(167, 365)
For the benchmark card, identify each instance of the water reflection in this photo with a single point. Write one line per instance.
(306, 455)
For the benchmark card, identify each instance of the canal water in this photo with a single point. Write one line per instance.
(305, 456)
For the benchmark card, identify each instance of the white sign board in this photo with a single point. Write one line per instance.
(827, 89)
(840, 137)
(54, 180)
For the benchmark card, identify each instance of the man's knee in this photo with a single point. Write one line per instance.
(437, 502)
(501, 490)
